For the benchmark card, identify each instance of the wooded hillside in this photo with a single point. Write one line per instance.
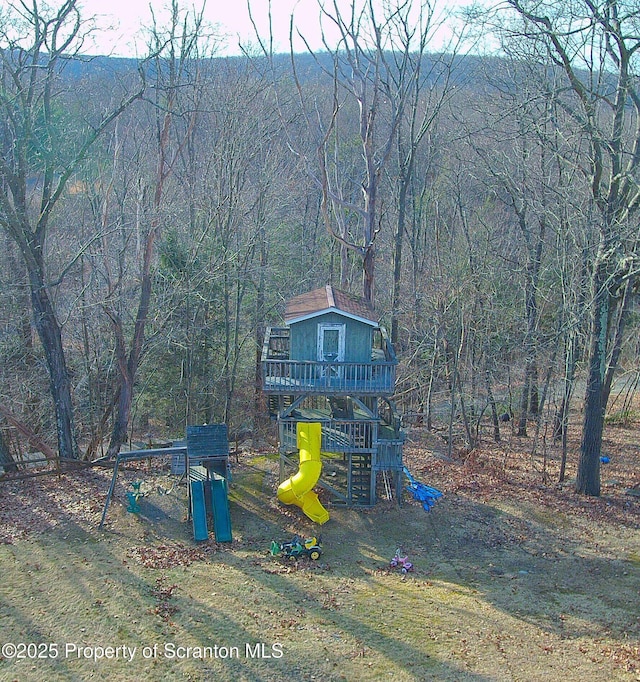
(156, 215)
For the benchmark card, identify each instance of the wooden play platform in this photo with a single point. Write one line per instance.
(203, 459)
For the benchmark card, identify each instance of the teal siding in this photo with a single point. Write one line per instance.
(304, 338)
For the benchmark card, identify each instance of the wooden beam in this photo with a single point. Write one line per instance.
(34, 441)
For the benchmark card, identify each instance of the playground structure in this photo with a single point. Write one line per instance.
(204, 461)
(208, 474)
(333, 365)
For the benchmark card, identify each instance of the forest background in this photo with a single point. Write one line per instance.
(157, 213)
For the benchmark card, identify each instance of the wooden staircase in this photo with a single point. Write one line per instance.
(360, 475)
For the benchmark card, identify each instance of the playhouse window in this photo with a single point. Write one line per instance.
(331, 342)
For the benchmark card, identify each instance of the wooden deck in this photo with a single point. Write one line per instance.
(285, 376)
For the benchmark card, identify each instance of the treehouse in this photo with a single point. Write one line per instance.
(333, 363)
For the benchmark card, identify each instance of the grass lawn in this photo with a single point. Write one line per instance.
(516, 578)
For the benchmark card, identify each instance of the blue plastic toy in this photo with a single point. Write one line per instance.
(421, 492)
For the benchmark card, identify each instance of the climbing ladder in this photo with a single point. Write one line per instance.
(360, 478)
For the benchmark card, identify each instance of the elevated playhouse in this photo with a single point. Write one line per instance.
(333, 365)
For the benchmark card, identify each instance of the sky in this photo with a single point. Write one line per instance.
(119, 22)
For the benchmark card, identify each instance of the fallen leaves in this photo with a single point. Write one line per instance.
(42, 504)
(624, 656)
(164, 593)
(507, 470)
(169, 555)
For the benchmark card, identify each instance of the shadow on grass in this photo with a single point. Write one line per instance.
(78, 585)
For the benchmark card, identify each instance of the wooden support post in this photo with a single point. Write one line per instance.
(110, 493)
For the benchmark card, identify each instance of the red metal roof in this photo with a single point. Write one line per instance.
(326, 299)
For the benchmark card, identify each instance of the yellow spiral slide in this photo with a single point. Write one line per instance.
(298, 489)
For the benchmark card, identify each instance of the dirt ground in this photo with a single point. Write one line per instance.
(516, 577)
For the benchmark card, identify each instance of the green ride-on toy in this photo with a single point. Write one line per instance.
(297, 547)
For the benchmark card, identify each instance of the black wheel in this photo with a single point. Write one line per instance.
(315, 554)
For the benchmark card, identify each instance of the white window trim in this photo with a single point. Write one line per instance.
(341, 329)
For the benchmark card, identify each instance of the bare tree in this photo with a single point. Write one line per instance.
(173, 54)
(40, 155)
(595, 45)
(364, 106)
(424, 82)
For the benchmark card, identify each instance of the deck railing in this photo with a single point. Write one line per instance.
(352, 378)
(338, 435)
(388, 456)
(282, 375)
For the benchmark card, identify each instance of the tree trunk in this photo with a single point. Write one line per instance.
(524, 402)
(259, 403)
(128, 366)
(6, 460)
(426, 409)
(492, 403)
(534, 395)
(600, 376)
(120, 430)
(529, 401)
(397, 261)
(588, 478)
(368, 267)
(561, 420)
(624, 310)
(18, 276)
(50, 335)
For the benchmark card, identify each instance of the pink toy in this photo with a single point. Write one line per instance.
(401, 562)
